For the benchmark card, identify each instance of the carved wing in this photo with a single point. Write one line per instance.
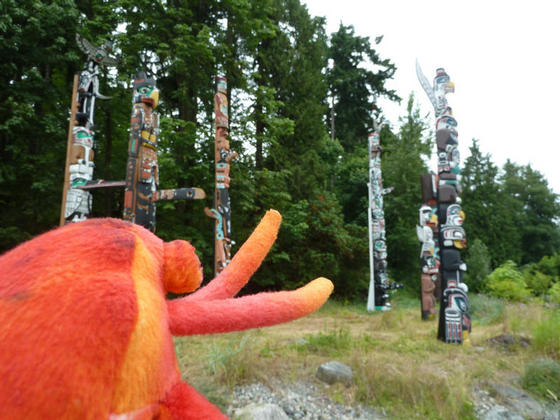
(426, 85)
(109, 61)
(85, 46)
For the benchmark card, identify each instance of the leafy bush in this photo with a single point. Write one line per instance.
(554, 293)
(538, 282)
(543, 378)
(549, 265)
(478, 265)
(507, 282)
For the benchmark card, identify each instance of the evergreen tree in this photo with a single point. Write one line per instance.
(536, 208)
(491, 216)
(37, 43)
(354, 85)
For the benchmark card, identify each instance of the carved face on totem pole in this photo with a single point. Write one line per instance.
(446, 121)
(145, 90)
(442, 86)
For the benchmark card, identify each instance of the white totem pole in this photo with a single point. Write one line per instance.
(379, 285)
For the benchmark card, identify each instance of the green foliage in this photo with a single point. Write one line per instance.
(542, 377)
(491, 213)
(554, 293)
(535, 208)
(478, 264)
(354, 86)
(507, 282)
(538, 282)
(546, 337)
(549, 265)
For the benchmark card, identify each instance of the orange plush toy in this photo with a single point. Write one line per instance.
(86, 331)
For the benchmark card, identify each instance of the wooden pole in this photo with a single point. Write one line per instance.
(71, 124)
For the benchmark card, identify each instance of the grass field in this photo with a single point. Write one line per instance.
(398, 363)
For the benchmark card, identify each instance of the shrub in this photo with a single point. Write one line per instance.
(538, 282)
(507, 282)
(542, 377)
(549, 265)
(554, 293)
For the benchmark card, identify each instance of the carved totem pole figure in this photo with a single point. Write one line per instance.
(223, 156)
(379, 286)
(77, 200)
(142, 171)
(142, 166)
(454, 318)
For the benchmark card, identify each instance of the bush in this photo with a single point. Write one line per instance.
(554, 293)
(507, 282)
(538, 282)
(542, 377)
(549, 265)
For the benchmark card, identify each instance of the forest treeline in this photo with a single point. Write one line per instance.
(284, 75)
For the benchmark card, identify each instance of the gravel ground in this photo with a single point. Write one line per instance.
(300, 401)
(306, 401)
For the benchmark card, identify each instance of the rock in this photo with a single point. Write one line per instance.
(260, 412)
(332, 372)
(499, 412)
(551, 412)
(301, 341)
(508, 340)
(519, 401)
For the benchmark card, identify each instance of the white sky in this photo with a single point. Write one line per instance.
(503, 56)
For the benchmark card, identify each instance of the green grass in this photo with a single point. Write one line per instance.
(542, 377)
(547, 335)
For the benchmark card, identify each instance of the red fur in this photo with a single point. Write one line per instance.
(85, 331)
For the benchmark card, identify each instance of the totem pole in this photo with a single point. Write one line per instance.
(142, 174)
(379, 285)
(426, 231)
(223, 156)
(77, 200)
(454, 319)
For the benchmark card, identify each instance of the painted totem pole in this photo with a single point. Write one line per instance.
(379, 285)
(76, 200)
(142, 173)
(454, 319)
(223, 156)
(427, 230)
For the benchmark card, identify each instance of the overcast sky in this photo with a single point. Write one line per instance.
(503, 56)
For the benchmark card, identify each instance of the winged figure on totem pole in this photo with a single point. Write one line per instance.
(77, 200)
(441, 217)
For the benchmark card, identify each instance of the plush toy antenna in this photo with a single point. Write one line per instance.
(230, 281)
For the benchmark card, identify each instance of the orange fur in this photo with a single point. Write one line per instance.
(85, 329)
